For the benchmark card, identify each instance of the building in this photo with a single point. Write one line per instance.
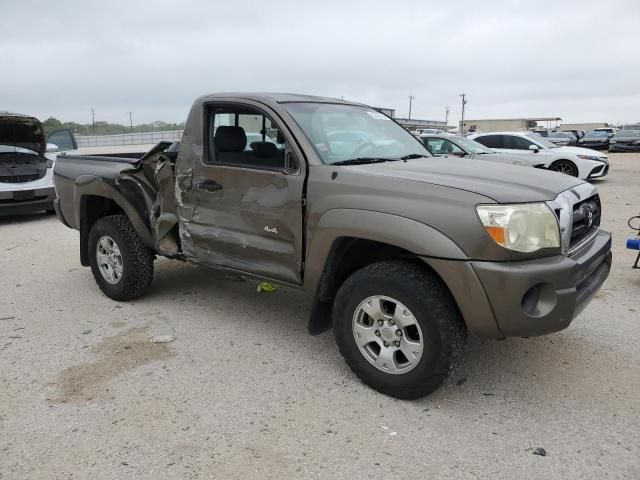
(587, 127)
(508, 124)
(413, 124)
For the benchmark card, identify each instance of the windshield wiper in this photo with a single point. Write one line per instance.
(411, 156)
(363, 161)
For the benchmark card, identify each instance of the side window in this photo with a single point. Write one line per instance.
(490, 141)
(244, 137)
(434, 145)
(449, 147)
(63, 139)
(516, 143)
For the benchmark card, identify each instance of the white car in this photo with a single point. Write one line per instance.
(26, 163)
(579, 162)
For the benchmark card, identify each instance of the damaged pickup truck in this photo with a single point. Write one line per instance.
(403, 254)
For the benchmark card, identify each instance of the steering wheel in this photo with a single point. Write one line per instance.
(361, 147)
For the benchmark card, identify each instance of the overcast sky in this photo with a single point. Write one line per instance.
(579, 60)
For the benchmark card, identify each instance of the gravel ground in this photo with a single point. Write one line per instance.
(245, 392)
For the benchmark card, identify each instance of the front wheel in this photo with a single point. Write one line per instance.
(566, 167)
(121, 264)
(398, 328)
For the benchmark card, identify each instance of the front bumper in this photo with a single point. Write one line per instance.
(596, 145)
(599, 171)
(530, 298)
(624, 147)
(22, 201)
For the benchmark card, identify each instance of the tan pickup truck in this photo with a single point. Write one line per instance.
(404, 254)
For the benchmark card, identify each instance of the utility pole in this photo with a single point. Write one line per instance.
(131, 120)
(446, 116)
(464, 102)
(93, 120)
(411, 98)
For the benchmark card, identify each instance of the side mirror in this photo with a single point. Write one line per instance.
(458, 154)
(291, 166)
(52, 147)
(534, 148)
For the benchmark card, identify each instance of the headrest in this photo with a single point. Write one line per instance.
(280, 137)
(230, 139)
(264, 149)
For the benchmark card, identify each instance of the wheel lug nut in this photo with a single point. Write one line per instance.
(380, 323)
(391, 322)
(386, 344)
(396, 343)
(377, 333)
(399, 333)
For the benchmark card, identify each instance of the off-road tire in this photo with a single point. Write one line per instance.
(137, 264)
(422, 292)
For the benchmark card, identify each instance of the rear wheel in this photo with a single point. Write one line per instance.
(121, 264)
(398, 328)
(565, 166)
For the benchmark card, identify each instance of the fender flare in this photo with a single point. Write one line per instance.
(91, 185)
(411, 235)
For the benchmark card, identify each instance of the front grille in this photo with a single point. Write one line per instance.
(586, 220)
(21, 178)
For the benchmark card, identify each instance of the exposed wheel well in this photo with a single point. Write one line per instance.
(348, 255)
(93, 207)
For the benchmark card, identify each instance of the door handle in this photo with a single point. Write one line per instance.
(209, 186)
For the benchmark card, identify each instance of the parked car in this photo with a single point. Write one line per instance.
(403, 254)
(595, 139)
(542, 132)
(610, 130)
(253, 137)
(459, 146)
(578, 162)
(421, 131)
(576, 133)
(26, 161)
(625, 141)
(631, 126)
(562, 139)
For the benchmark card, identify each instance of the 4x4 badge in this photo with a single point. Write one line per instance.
(270, 230)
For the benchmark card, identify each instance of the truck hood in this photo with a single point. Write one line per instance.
(22, 131)
(502, 183)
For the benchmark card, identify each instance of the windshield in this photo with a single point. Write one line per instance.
(596, 134)
(627, 134)
(472, 145)
(346, 132)
(541, 140)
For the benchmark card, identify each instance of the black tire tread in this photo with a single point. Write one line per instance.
(137, 257)
(420, 281)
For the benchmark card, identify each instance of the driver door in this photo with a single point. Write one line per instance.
(242, 205)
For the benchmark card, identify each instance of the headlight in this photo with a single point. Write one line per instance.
(590, 157)
(526, 227)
